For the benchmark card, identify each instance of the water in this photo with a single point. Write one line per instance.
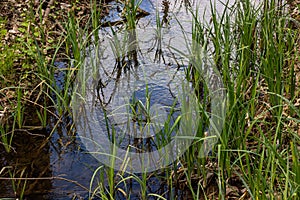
(62, 165)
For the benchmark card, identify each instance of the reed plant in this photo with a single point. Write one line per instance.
(6, 138)
(256, 146)
(251, 67)
(130, 12)
(254, 51)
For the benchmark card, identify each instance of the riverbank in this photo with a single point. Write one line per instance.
(33, 36)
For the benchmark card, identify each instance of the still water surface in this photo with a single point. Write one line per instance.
(64, 157)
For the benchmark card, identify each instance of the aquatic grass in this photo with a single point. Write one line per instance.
(131, 11)
(75, 38)
(252, 52)
(158, 37)
(238, 57)
(44, 71)
(18, 186)
(106, 184)
(21, 186)
(19, 113)
(7, 133)
(99, 190)
(55, 98)
(43, 115)
(95, 18)
(252, 145)
(6, 138)
(119, 48)
(108, 175)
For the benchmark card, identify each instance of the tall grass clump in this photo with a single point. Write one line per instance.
(253, 48)
(130, 12)
(59, 76)
(252, 52)
(47, 67)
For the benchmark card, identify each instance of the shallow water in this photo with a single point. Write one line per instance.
(63, 164)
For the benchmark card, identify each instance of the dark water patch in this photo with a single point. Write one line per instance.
(29, 158)
(45, 168)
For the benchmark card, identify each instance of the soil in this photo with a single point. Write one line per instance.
(20, 21)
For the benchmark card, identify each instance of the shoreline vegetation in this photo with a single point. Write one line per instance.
(258, 156)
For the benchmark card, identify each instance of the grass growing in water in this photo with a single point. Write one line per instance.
(258, 154)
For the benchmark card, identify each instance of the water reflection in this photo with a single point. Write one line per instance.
(30, 158)
(126, 65)
(64, 157)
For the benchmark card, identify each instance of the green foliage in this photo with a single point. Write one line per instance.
(252, 51)
(18, 53)
(6, 54)
(131, 11)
